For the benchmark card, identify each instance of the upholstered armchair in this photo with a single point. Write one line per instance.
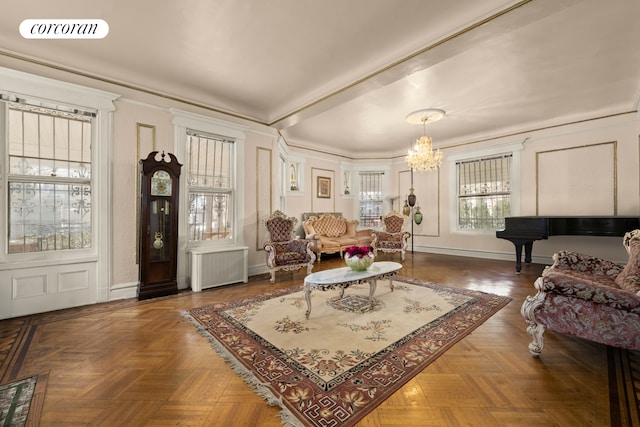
(393, 238)
(284, 251)
(588, 297)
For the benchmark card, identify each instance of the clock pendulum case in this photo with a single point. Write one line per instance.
(158, 233)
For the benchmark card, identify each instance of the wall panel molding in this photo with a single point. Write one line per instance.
(580, 180)
(264, 192)
(318, 204)
(427, 190)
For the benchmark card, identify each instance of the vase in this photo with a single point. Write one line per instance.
(357, 263)
(417, 217)
(406, 210)
(411, 198)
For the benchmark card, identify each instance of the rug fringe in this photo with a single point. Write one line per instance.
(259, 387)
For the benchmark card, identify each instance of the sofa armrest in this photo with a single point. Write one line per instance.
(574, 261)
(297, 245)
(301, 245)
(598, 290)
(383, 235)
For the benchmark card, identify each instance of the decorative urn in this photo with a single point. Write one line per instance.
(417, 217)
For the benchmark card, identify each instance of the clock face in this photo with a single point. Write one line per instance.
(161, 184)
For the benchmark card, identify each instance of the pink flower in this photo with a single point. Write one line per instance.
(359, 251)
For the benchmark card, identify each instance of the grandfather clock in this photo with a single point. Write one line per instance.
(158, 238)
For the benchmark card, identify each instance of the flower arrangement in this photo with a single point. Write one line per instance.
(357, 251)
(359, 258)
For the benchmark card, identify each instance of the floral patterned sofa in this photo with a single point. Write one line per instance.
(588, 297)
(333, 233)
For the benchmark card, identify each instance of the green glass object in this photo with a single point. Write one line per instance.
(417, 217)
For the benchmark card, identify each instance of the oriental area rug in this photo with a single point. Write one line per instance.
(21, 401)
(349, 355)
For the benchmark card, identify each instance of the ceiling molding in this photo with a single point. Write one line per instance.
(294, 116)
(121, 84)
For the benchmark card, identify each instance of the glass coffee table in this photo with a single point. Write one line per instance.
(344, 277)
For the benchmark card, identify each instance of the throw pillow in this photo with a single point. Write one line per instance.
(629, 278)
(308, 228)
(351, 228)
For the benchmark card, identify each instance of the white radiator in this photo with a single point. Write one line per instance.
(217, 267)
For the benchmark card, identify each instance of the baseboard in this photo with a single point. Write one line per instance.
(504, 256)
(129, 290)
(123, 291)
(258, 269)
(472, 253)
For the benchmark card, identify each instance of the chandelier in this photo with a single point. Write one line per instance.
(421, 158)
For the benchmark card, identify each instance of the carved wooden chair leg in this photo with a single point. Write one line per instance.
(534, 329)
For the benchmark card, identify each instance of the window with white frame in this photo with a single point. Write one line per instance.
(371, 201)
(210, 185)
(484, 192)
(49, 179)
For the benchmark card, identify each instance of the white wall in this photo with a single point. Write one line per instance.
(42, 281)
(262, 190)
(586, 141)
(608, 154)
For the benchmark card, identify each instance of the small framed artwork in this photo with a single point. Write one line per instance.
(324, 187)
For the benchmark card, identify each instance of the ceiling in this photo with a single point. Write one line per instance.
(342, 75)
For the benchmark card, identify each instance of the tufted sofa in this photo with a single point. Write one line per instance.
(333, 233)
(588, 297)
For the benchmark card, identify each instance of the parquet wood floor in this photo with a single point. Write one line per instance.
(624, 386)
(142, 364)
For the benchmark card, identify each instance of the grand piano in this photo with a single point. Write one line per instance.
(522, 231)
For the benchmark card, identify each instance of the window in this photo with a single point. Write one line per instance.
(49, 178)
(211, 181)
(484, 192)
(210, 167)
(371, 199)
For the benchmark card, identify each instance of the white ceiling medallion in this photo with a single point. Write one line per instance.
(427, 115)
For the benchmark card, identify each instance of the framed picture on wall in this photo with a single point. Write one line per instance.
(324, 187)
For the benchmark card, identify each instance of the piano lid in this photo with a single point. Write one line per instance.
(541, 227)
